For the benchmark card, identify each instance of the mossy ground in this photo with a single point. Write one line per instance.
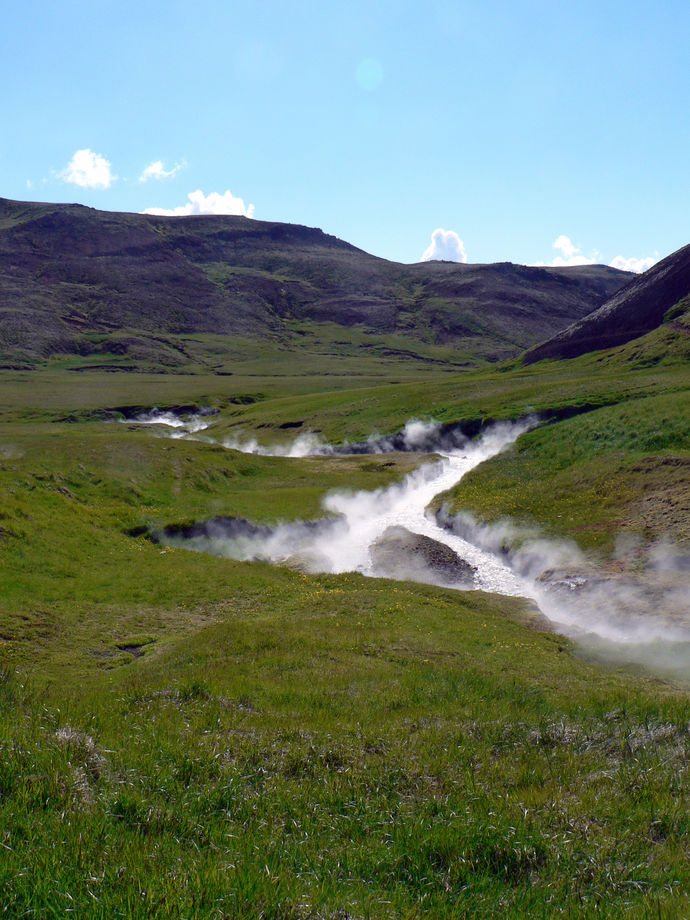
(187, 736)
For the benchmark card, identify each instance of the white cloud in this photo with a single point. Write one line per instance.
(565, 244)
(572, 255)
(156, 170)
(214, 203)
(559, 262)
(634, 265)
(88, 170)
(446, 246)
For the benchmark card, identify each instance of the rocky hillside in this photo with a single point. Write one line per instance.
(78, 281)
(637, 308)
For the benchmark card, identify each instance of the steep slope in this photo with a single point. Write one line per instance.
(634, 310)
(74, 280)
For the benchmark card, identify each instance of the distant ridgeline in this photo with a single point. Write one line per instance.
(134, 288)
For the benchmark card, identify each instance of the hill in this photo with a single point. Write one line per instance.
(639, 307)
(137, 291)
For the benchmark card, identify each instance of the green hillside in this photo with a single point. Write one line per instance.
(133, 291)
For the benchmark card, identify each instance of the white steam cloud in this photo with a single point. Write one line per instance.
(344, 543)
(183, 426)
(88, 170)
(445, 246)
(305, 445)
(213, 203)
(630, 617)
(633, 616)
(417, 435)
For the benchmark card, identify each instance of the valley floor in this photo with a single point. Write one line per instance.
(183, 735)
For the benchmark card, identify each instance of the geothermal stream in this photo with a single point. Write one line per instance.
(630, 620)
(367, 516)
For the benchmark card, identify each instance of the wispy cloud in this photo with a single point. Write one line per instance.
(570, 255)
(213, 203)
(157, 170)
(88, 170)
(446, 246)
(634, 265)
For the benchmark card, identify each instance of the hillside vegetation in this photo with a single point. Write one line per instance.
(158, 293)
(639, 307)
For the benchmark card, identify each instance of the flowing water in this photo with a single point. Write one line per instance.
(367, 515)
(634, 619)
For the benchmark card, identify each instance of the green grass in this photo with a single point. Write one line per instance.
(620, 469)
(347, 746)
(188, 736)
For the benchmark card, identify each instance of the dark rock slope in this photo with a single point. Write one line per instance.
(634, 310)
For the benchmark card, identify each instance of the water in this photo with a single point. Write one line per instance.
(343, 544)
(368, 514)
(636, 619)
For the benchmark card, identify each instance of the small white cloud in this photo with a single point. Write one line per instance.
(566, 246)
(446, 246)
(29, 183)
(88, 170)
(560, 262)
(214, 203)
(633, 264)
(156, 170)
(570, 253)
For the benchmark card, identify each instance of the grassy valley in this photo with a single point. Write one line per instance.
(188, 736)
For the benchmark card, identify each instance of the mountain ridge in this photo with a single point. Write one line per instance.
(75, 280)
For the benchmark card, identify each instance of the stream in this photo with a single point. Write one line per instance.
(628, 618)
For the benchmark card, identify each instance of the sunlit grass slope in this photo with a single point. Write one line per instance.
(622, 469)
(339, 748)
(187, 736)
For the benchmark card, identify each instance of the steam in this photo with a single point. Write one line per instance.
(417, 435)
(638, 614)
(635, 613)
(305, 445)
(183, 426)
(343, 543)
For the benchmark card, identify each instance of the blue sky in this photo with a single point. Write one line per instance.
(510, 126)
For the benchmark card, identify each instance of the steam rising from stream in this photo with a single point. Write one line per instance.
(161, 422)
(638, 614)
(417, 435)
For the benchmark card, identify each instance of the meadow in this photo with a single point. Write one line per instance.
(185, 736)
